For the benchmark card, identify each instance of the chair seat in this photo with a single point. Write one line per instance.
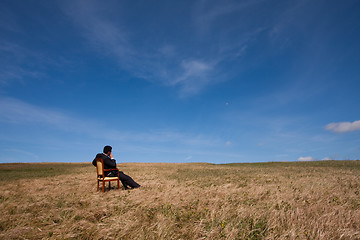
(108, 178)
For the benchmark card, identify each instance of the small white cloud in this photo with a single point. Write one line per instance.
(342, 127)
(305, 159)
(188, 158)
(194, 73)
(326, 158)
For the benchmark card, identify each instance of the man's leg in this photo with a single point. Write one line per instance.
(127, 181)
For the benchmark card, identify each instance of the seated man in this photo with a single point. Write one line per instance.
(110, 163)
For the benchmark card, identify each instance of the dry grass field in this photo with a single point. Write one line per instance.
(302, 200)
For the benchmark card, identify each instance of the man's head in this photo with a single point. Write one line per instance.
(107, 150)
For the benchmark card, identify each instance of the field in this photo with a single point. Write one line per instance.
(302, 200)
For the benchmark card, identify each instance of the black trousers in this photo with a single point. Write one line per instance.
(126, 180)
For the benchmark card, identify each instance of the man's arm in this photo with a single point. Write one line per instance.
(109, 163)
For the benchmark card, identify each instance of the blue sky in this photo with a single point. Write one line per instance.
(179, 81)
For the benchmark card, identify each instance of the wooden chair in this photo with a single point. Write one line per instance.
(101, 175)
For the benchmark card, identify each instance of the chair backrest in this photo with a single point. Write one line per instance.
(100, 167)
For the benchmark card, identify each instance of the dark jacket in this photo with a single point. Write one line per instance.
(108, 162)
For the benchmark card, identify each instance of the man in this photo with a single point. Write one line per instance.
(110, 163)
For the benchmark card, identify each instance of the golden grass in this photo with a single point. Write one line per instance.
(317, 200)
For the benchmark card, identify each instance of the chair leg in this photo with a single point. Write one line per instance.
(118, 184)
(98, 186)
(103, 189)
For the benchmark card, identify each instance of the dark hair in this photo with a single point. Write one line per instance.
(107, 149)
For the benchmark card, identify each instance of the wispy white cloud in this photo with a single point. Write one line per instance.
(341, 127)
(8, 20)
(195, 75)
(163, 63)
(13, 57)
(14, 111)
(206, 12)
(16, 152)
(159, 65)
(22, 64)
(17, 74)
(101, 32)
(288, 19)
(111, 37)
(194, 68)
(168, 51)
(305, 159)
